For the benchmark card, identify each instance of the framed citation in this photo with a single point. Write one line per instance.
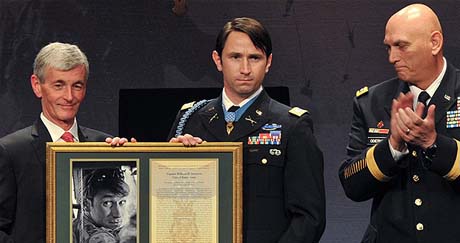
(144, 192)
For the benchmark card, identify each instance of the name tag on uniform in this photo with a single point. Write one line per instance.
(374, 140)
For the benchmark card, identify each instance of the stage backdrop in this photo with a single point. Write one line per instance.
(323, 51)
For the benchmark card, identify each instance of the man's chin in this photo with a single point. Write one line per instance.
(67, 116)
(403, 77)
(246, 91)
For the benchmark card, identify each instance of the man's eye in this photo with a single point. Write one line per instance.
(122, 202)
(58, 86)
(107, 204)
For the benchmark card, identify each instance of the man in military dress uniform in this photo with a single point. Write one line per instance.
(283, 185)
(403, 149)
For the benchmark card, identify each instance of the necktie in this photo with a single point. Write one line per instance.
(68, 137)
(230, 118)
(423, 97)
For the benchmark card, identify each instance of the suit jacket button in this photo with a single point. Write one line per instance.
(418, 202)
(415, 178)
(264, 161)
(414, 153)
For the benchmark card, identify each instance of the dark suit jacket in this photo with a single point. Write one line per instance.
(283, 185)
(413, 199)
(22, 182)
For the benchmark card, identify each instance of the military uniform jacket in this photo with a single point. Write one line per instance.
(414, 199)
(283, 184)
(88, 232)
(22, 182)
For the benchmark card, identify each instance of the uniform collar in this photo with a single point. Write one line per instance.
(228, 103)
(212, 118)
(432, 88)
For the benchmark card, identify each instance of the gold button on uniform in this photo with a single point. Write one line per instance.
(264, 161)
(414, 153)
(418, 202)
(419, 226)
(415, 178)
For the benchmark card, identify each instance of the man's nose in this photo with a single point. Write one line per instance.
(68, 93)
(393, 55)
(245, 67)
(116, 211)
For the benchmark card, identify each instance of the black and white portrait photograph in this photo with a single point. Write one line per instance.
(104, 204)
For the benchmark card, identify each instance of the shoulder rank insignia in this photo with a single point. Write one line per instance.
(297, 111)
(362, 91)
(187, 105)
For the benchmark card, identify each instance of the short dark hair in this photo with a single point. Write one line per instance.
(253, 28)
(111, 179)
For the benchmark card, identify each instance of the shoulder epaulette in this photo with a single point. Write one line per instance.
(187, 105)
(298, 111)
(362, 91)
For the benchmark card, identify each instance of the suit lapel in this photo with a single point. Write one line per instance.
(40, 136)
(82, 136)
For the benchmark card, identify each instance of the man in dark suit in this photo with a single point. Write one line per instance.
(59, 80)
(400, 154)
(283, 186)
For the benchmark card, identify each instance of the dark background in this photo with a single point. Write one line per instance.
(323, 51)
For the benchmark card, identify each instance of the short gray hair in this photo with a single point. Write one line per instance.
(61, 56)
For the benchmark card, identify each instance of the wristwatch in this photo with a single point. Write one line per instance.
(430, 152)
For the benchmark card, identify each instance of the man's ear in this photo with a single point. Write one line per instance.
(86, 204)
(436, 42)
(217, 60)
(35, 83)
(269, 63)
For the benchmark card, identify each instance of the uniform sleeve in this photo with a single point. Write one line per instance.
(7, 197)
(367, 169)
(446, 161)
(304, 185)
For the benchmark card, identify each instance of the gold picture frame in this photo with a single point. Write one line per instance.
(174, 191)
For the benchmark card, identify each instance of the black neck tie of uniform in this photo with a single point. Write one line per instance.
(423, 97)
(233, 108)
